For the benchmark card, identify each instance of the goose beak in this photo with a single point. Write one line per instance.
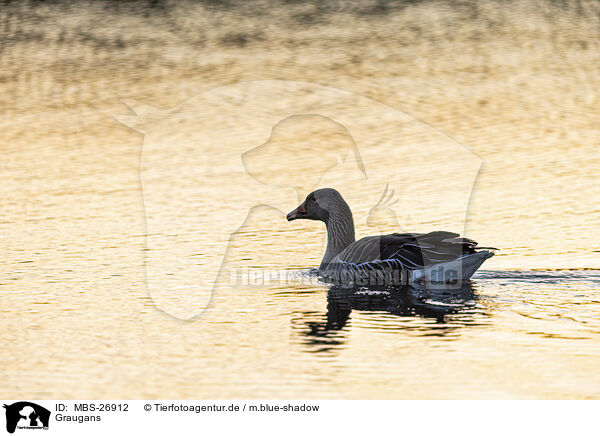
(298, 213)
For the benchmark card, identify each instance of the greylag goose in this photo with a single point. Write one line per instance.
(394, 259)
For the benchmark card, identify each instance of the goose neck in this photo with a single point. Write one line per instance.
(340, 232)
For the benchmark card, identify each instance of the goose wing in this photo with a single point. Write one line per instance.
(412, 250)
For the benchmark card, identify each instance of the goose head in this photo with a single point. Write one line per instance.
(327, 205)
(318, 205)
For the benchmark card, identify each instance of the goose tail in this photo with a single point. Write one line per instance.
(456, 270)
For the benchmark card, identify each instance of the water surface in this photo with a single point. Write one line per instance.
(516, 85)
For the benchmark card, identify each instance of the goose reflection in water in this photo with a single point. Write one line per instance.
(426, 312)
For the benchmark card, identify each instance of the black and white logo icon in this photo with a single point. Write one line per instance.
(26, 415)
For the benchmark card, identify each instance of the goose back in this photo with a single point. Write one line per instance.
(409, 250)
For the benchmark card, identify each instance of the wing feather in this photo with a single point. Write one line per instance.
(411, 250)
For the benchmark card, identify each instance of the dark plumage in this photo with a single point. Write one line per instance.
(413, 250)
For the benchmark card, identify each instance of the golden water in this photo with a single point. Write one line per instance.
(517, 85)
